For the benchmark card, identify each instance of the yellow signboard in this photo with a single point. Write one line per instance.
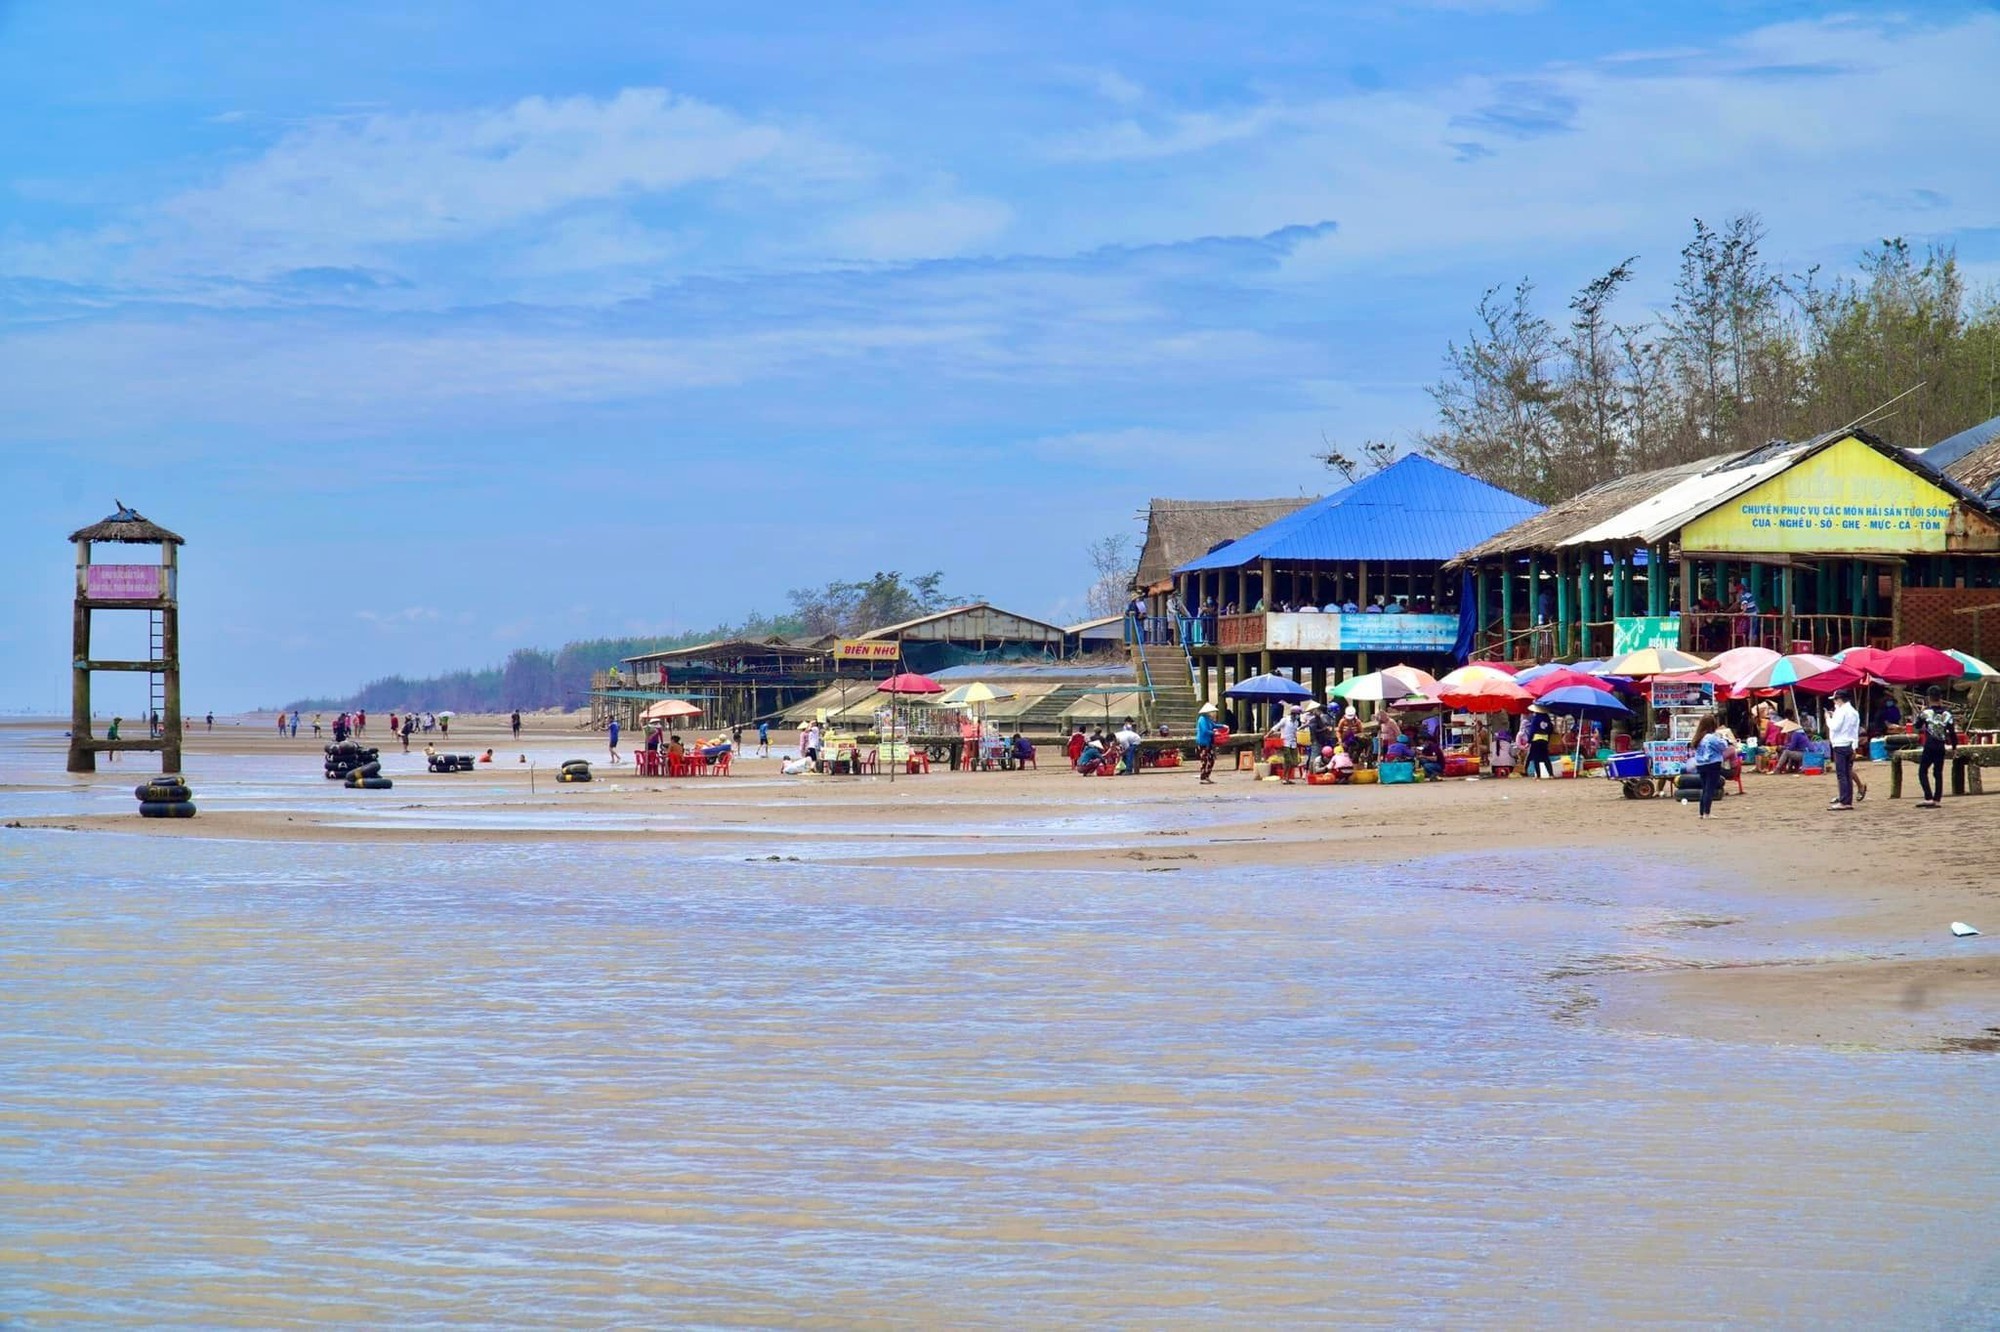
(867, 649)
(1847, 498)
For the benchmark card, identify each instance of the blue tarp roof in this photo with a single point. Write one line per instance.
(1948, 451)
(1413, 509)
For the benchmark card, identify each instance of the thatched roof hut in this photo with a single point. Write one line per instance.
(128, 525)
(1579, 513)
(1181, 530)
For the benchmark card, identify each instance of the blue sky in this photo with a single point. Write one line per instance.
(440, 329)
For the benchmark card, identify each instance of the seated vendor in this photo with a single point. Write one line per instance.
(1022, 750)
(675, 749)
(1396, 751)
(1792, 753)
(1431, 756)
(1092, 755)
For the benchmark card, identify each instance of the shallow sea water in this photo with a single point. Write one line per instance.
(272, 1084)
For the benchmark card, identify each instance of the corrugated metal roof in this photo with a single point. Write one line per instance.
(1670, 510)
(1413, 509)
(1945, 452)
(995, 618)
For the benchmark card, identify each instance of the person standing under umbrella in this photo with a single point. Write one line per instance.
(1710, 752)
(1939, 730)
(1843, 733)
(1537, 728)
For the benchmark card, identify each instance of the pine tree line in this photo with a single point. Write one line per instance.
(1741, 355)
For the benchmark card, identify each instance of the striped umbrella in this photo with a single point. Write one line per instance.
(1741, 661)
(1974, 667)
(1653, 661)
(1785, 672)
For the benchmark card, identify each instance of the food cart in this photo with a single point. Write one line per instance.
(1676, 709)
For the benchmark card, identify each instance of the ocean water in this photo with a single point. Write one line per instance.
(275, 1084)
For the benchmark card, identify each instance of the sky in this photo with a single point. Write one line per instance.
(443, 329)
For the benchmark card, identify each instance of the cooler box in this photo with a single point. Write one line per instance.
(1626, 766)
(1878, 750)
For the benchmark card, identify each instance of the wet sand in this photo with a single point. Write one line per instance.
(1842, 940)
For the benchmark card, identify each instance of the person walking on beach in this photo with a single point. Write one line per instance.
(613, 730)
(315, 726)
(281, 726)
(1939, 730)
(515, 722)
(409, 725)
(1204, 742)
(444, 726)
(211, 721)
(111, 735)
(1843, 733)
(1711, 751)
(763, 739)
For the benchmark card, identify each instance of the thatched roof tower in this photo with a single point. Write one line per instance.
(128, 525)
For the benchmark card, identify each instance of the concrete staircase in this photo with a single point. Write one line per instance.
(1166, 668)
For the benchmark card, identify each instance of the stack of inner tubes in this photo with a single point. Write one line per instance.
(451, 763)
(574, 770)
(345, 756)
(1687, 786)
(368, 777)
(165, 798)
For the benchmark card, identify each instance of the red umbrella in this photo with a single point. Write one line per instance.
(1862, 658)
(1842, 676)
(1485, 695)
(909, 682)
(1911, 664)
(1564, 678)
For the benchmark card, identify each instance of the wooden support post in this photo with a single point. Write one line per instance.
(1687, 599)
(80, 758)
(1506, 608)
(1362, 599)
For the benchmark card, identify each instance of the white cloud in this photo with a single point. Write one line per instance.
(386, 179)
(1830, 128)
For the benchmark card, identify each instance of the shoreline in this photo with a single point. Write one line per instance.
(1854, 907)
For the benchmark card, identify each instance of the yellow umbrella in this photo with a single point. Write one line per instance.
(967, 695)
(1652, 661)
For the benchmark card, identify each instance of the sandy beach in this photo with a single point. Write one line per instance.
(1841, 938)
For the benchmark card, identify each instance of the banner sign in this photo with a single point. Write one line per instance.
(1636, 633)
(122, 582)
(1322, 632)
(1683, 694)
(1846, 498)
(1669, 758)
(867, 649)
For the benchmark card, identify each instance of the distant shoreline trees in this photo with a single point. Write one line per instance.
(1740, 355)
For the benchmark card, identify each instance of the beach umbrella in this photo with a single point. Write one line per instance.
(1386, 685)
(1840, 677)
(1269, 689)
(1537, 672)
(1562, 678)
(1861, 658)
(1975, 669)
(1741, 661)
(1504, 667)
(1581, 701)
(1787, 671)
(1485, 692)
(1914, 664)
(668, 708)
(1477, 670)
(970, 695)
(909, 682)
(1652, 661)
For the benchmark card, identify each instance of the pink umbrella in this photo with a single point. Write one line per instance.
(1563, 678)
(909, 682)
(1913, 664)
(1741, 661)
(1786, 671)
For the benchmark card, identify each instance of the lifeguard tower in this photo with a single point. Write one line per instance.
(153, 588)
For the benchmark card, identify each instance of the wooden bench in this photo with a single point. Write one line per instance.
(1964, 764)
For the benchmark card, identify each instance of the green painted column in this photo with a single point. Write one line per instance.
(1564, 612)
(1507, 608)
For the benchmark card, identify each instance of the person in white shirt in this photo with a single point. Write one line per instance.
(1130, 739)
(1843, 733)
(1288, 743)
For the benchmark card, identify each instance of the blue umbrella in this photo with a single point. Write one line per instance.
(1581, 701)
(1535, 672)
(1269, 689)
